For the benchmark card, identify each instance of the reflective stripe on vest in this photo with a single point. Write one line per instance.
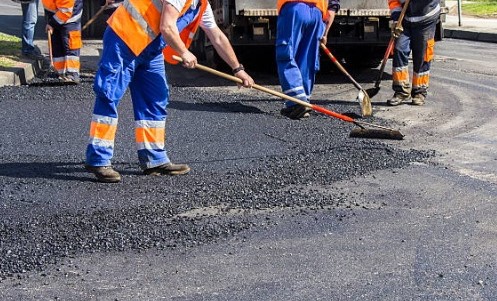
(137, 23)
(187, 33)
(321, 4)
(64, 11)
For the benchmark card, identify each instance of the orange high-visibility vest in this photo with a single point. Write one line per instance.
(137, 34)
(63, 10)
(188, 33)
(137, 22)
(321, 4)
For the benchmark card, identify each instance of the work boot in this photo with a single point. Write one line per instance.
(398, 98)
(104, 174)
(169, 169)
(296, 112)
(418, 99)
(71, 79)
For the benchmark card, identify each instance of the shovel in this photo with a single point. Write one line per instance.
(398, 29)
(362, 97)
(379, 132)
(51, 77)
(51, 70)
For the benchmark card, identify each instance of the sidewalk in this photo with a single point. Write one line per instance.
(474, 29)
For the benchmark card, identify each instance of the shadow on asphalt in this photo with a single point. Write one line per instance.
(233, 107)
(46, 170)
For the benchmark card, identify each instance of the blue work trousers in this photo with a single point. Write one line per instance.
(417, 38)
(145, 76)
(29, 19)
(300, 26)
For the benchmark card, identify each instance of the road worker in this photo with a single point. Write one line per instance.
(64, 25)
(418, 36)
(301, 26)
(133, 56)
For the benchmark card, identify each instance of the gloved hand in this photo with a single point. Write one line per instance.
(396, 30)
(394, 17)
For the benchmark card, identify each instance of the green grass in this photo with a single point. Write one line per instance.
(483, 8)
(10, 50)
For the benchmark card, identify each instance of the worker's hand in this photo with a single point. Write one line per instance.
(396, 30)
(324, 40)
(248, 82)
(189, 59)
(109, 2)
(49, 29)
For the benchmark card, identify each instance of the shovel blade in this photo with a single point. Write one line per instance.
(365, 102)
(373, 91)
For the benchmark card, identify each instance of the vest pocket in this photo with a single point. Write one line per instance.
(75, 40)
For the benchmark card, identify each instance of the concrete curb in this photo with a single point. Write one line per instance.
(19, 74)
(470, 35)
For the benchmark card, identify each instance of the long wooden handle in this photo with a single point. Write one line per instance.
(391, 44)
(273, 92)
(287, 97)
(98, 13)
(49, 34)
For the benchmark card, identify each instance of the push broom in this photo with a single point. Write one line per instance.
(379, 132)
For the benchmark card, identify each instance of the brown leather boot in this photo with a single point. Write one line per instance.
(104, 174)
(169, 169)
(418, 100)
(398, 98)
(296, 112)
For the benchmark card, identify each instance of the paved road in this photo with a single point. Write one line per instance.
(273, 210)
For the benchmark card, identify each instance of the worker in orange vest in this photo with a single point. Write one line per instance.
(418, 36)
(133, 56)
(64, 24)
(301, 26)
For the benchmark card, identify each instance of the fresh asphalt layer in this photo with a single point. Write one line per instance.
(244, 156)
(273, 209)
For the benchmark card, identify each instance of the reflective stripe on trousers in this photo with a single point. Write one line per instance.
(299, 28)
(418, 38)
(66, 45)
(146, 78)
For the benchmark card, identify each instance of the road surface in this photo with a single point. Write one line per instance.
(273, 209)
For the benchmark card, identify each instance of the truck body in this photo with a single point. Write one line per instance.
(359, 35)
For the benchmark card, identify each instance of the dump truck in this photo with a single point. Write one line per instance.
(358, 37)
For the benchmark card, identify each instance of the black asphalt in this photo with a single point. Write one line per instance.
(243, 155)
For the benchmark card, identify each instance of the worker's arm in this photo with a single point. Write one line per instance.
(333, 8)
(170, 33)
(395, 7)
(225, 50)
